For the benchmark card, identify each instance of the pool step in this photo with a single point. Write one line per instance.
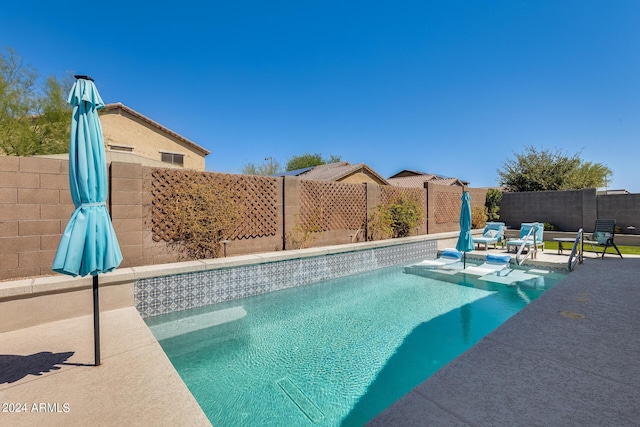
(300, 399)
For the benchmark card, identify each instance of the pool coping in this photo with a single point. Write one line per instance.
(59, 282)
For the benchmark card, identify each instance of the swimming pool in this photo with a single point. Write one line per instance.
(336, 352)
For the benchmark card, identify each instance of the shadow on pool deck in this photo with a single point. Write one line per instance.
(47, 376)
(569, 358)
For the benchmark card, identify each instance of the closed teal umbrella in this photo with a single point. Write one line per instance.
(465, 240)
(88, 244)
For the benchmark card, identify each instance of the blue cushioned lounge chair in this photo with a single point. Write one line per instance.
(492, 235)
(526, 237)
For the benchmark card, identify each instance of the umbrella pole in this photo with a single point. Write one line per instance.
(96, 322)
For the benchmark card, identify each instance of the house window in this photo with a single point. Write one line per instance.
(173, 158)
(120, 148)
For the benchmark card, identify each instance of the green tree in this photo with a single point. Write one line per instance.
(304, 161)
(590, 175)
(493, 198)
(51, 126)
(33, 120)
(333, 159)
(308, 160)
(543, 170)
(268, 168)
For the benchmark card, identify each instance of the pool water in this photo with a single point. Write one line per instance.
(334, 353)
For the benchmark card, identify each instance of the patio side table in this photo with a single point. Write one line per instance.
(562, 240)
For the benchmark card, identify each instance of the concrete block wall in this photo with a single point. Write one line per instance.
(291, 204)
(478, 197)
(624, 208)
(35, 206)
(571, 210)
(152, 252)
(126, 189)
(434, 225)
(265, 243)
(291, 211)
(374, 198)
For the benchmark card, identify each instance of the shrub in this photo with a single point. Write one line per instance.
(396, 219)
(202, 215)
(380, 224)
(478, 217)
(550, 227)
(303, 234)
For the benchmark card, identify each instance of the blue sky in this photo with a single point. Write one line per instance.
(447, 87)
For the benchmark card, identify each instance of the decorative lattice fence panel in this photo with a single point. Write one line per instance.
(447, 207)
(389, 194)
(328, 206)
(258, 195)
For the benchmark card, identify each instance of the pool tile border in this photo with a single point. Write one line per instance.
(167, 294)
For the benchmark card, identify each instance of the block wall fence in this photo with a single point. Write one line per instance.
(35, 206)
(571, 210)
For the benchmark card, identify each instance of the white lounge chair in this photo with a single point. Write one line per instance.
(493, 264)
(447, 257)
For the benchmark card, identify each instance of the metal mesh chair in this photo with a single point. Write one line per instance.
(603, 236)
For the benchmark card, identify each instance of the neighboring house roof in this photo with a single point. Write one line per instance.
(339, 171)
(449, 181)
(134, 113)
(418, 181)
(407, 172)
(608, 192)
(296, 172)
(431, 177)
(120, 156)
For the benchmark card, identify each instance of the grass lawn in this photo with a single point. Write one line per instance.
(628, 250)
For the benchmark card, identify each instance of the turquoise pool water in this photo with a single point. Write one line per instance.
(335, 353)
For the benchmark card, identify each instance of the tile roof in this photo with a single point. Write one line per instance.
(418, 181)
(339, 170)
(409, 172)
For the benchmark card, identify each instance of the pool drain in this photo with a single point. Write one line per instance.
(573, 315)
(301, 400)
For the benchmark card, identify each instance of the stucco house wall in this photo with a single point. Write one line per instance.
(124, 127)
(360, 177)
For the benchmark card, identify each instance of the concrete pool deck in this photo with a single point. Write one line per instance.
(539, 368)
(50, 364)
(568, 359)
